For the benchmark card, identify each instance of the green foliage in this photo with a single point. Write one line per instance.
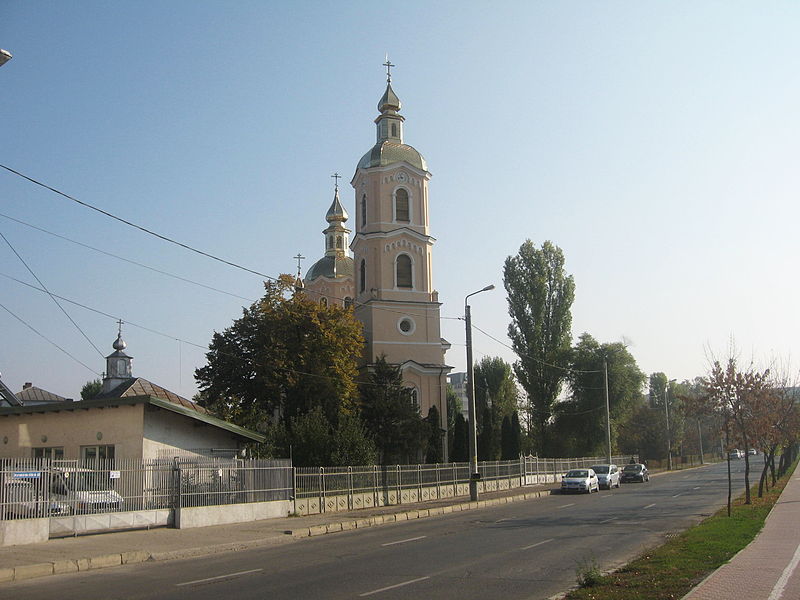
(487, 441)
(91, 389)
(287, 355)
(433, 453)
(311, 439)
(588, 572)
(453, 409)
(352, 443)
(580, 423)
(460, 440)
(391, 416)
(510, 442)
(540, 296)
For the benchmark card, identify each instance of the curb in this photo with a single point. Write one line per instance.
(58, 567)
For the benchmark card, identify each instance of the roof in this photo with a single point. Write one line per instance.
(332, 267)
(191, 410)
(36, 395)
(138, 386)
(386, 153)
(8, 396)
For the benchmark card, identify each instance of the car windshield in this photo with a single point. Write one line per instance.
(632, 468)
(600, 469)
(81, 481)
(578, 473)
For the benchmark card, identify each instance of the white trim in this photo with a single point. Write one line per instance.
(413, 325)
(365, 172)
(407, 343)
(413, 271)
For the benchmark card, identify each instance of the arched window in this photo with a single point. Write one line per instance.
(394, 129)
(339, 242)
(330, 241)
(323, 301)
(363, 210)
(401, 212)
(404, 279)
(362, 276)
(414, 397)
(348, 302)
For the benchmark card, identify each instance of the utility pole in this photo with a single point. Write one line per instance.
(700, 437)
(608, 411)
(474, 476)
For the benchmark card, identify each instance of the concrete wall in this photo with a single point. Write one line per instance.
(24, 531)
(164, 431)
(72, 428)
(78, 524)
(203, 516)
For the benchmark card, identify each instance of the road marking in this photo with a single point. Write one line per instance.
(504, 520)
(391, 587)
(608, 520)
(228, 576)
(537, 544)
(404, 541)
(780, 586)
(696, 488)
(650, 505)
(565, 506)
(676, 495)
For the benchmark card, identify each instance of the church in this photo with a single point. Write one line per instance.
(389, 278)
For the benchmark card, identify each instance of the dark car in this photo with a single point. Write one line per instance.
(635, 472)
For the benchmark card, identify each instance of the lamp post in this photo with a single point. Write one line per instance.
(669, 440)
(5, 56)
(474, 476)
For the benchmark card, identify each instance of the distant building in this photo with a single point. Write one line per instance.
(31, 394)
(459, 383)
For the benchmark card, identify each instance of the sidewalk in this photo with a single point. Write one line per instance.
(67, 555)
(767, 568)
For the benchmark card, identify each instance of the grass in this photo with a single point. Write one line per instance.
(670, 571)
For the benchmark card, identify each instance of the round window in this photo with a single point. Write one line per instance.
(406, 326)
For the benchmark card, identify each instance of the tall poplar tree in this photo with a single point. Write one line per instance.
(540, 295)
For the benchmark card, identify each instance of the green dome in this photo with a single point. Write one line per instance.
(332, 267)
(386, 153)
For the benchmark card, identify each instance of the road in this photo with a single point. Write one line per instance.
(528, 549)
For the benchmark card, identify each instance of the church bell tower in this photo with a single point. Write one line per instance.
(393, 260)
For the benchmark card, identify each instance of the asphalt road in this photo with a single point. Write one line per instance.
(526, 549)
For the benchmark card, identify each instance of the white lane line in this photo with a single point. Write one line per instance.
(696, 488)
(650, 505)
(228, 576)
(780, 586)
(608, 520)
(676, 495)
(565, 506)
(404, 541)
(537, 544)
(391, 587)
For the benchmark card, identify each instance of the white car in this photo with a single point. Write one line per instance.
(607, 476)
(580, 480)
(85, 490)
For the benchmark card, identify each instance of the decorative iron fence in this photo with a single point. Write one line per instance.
(330, 489)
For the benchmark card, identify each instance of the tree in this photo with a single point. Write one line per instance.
(580, 420)
(91, 389)
(391, 416)
(286, 356)
(540, 296)
(453, 409)
(487, 446)
(433, 453)
(312, 440)
(496, 391)
(352, 443)
(460, 440)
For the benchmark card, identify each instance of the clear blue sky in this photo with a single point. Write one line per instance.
(655, 143)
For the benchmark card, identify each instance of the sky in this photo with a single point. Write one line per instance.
(655, 143)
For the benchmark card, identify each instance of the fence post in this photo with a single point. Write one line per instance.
(419, 482)
(455, 481)
(438, 489)
(399, 485)
(350, 488)
(322, 489)
(177, 500)
(375, 485)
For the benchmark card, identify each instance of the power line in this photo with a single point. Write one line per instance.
(128, 260)
(49, 294)
(29, 326)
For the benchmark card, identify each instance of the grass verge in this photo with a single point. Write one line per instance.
(670, 571)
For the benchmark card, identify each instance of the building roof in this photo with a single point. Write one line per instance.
(6, 395)
(138, 386)
(35, 395)
(332, 267)
(386, 153)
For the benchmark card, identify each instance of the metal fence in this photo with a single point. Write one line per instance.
(329, 489)
(41, 488)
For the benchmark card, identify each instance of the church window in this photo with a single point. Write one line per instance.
(323, 301)
(348, 302)
(406, 325)
(330, 242)
(363, 210)
(339, 242)
(401, 211)
(414, 395)
(394, 129)
(404, 278)
(362, 276)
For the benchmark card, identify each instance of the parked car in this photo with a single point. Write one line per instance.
(607, 476)
(736, 454)
(25, 499)
(635, 472)
(84, 490)
(580, 480)
(752, 452)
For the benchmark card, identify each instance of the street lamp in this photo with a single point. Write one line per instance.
(666, 409)
(474, 476)
(5, 56)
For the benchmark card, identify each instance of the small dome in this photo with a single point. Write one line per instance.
(119, 344)
(336, 212)
(332, 267)
(386, 153)
(389, 101)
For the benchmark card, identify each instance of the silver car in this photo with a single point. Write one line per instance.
(607, 476)
(580, 480)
